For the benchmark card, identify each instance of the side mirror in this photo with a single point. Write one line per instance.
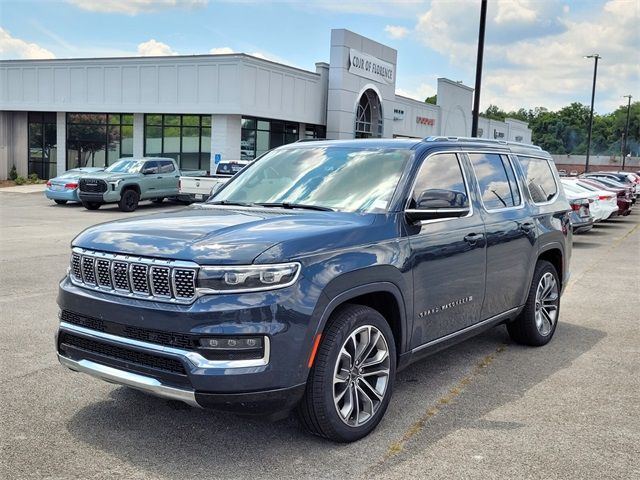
(439, 203)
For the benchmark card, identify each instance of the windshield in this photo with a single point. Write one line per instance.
(339, 178)
(125, 166)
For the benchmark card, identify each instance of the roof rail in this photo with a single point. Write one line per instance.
(480, 140)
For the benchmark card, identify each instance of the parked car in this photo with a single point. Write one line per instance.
(319, 271)
(623, 195)
(201, 187)
(602, 204)
(580, 218)
(64, 188)
(130, 180)
(608, 177)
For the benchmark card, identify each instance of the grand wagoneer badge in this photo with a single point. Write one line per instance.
(446, 306)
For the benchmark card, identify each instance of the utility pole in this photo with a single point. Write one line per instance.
(593, 96)
(626, 133)
(476, 95)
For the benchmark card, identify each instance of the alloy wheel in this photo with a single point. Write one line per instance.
(361, 375)
(546, 304)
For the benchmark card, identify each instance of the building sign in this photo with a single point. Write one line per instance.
(370, 67)
(398, 114)
(425, 121)
(497, 134)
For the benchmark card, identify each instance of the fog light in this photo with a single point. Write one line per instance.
(232, 343)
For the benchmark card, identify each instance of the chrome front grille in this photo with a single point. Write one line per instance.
(139, 277)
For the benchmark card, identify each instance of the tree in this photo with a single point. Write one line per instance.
(432, 99)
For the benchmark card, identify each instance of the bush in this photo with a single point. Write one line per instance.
(20, 180)
(13, 174)
(33, 178)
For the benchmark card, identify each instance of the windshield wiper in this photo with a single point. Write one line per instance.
(297, 205)
(227, 202)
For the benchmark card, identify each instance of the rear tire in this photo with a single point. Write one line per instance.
(129, 200)
(61, 202)
(537, 323)
(357, 350)
(91, 205)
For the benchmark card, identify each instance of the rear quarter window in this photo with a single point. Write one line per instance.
(539, 177)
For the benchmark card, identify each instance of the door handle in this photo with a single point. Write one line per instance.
(526, 226)
(159, 178)
(473, 238)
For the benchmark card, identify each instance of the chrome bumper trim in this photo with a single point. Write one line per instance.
(133, 380)
(194, 358)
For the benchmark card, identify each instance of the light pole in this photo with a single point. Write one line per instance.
(593, 96)
(476, 93)
(626, 132)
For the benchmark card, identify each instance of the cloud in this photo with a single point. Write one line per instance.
(134, 7)
(396, 32)
(153, 48)
(419, 92)
(15, 48)
(534, 51)
(221, 51)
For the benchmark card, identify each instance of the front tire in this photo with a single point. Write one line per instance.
(129, 201)
(537, 323)
(351, 381)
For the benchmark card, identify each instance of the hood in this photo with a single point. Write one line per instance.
(110, 176)
(227, 235)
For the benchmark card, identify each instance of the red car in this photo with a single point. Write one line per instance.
(623, 194)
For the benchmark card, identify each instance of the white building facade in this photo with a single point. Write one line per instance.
(60, 114)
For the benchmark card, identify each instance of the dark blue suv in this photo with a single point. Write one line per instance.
(318, 272)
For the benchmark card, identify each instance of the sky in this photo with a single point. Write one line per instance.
(534, 51)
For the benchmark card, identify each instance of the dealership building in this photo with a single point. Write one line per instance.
(199, 109)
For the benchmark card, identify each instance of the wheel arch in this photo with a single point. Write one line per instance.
(384, 297)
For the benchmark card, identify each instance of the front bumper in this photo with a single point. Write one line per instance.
(158, 341)
(105, 197)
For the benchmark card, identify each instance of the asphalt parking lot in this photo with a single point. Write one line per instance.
(486, 408)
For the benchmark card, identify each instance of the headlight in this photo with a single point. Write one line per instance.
(250, 278)
(114, 183)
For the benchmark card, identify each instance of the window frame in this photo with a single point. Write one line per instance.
(465, 181)
(553, 175)
(506, 155)
(163, 125)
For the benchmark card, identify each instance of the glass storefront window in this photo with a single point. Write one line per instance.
(42, 141)
(98, 139)
(185, 138)
(261, 135)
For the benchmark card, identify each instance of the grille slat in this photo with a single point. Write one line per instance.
(184, 283)
(103, 270)
(139, 275)
(161, 280)
(88, 270)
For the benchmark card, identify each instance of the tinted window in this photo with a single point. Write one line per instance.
(496, 179)
(151, 165)
(165, 166)
(439, 174)
(539, 176)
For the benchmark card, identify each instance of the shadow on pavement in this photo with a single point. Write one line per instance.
(169, 439)
(582, 244)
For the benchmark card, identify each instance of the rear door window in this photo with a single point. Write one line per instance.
(165, 166)
(539, 176)
(496, 179)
